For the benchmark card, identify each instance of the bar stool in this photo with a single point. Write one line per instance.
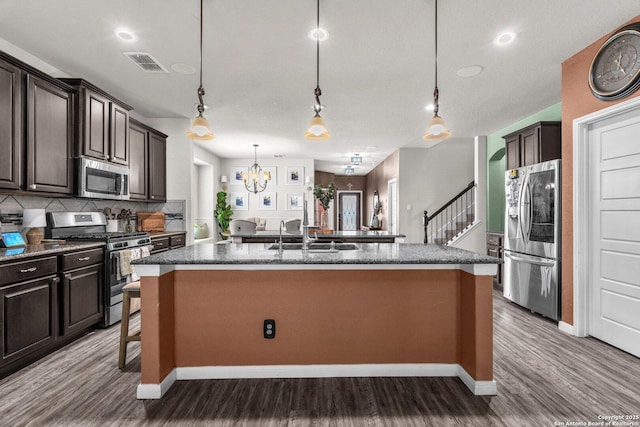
(130, 290)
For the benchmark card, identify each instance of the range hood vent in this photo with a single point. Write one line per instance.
(144, 60)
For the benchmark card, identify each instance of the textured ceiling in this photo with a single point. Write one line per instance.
(376, 67)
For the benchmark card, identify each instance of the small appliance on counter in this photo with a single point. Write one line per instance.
(150, 221)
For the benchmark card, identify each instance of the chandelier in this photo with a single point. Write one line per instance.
(356, 159)
(256, 179)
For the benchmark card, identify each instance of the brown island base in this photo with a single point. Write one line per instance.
(381, 310)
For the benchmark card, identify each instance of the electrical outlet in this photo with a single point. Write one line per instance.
(269, 329)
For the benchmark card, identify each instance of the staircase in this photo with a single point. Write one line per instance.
(452, 219)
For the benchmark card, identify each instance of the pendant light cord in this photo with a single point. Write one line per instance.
(201, 89)
(435, 90)
(317, 92)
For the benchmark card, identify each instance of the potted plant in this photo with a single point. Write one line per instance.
(325, 195)
(223, 214)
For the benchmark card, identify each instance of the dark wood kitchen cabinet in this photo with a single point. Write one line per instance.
(103, 124)
(36, 130)
(157, 167)
(28, 312)
(495, 248)
(147, 171)
(11, 95)
(81, 290)
(533, 144)
(139, 167)
(49, 137)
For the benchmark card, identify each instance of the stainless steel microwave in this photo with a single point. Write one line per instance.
(101, 180)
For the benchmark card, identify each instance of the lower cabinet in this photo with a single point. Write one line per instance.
(80, 296)
(168, 240)
(29, 317)
(47, 301)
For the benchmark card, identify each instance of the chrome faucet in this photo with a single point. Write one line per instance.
(306, 240)
(280, 241)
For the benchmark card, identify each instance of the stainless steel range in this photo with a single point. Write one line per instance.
(92, 226)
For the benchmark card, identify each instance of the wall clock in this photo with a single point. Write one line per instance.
(615, 70)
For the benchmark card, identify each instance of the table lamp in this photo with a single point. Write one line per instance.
(34, 219)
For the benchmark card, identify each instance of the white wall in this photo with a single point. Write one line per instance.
(278, 185)
(476, 239)
(428, 178)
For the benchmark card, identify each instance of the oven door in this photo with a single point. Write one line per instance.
(117, 281)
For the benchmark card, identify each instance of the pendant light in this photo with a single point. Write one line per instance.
(256, 180)
(200, 127)
(317, 128)
(437, 130)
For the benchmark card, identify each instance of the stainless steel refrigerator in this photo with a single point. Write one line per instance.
(532, 237)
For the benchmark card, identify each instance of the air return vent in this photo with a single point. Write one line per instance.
(144, 60)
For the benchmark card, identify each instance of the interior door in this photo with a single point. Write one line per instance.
(349, 214)
(614, 288)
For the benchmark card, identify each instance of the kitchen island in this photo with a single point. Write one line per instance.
(370, 236)
(380, 310)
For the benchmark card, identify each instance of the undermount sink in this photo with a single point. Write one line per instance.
(318, 247)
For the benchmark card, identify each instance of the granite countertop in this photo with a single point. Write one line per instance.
(368, 253)
(11, 254)
(335, 234)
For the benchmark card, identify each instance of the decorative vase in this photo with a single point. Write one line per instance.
(324, 219)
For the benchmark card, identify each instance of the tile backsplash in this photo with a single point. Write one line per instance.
(11, 208)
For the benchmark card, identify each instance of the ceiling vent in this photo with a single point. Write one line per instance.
(144, 60)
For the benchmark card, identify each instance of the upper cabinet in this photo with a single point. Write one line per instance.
(103, 124)
(536, 143)
(49, 137)
(36, 130)
(147, 172)
(11, 90)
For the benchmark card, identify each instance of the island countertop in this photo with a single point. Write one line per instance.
(270, 236)
(367, 254)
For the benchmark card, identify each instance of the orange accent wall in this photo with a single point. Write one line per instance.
(322, 317)
(577, 101)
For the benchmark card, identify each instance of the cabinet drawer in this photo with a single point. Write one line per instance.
(25, 270)
(494, 239)
(177, 241)
(160, 244)
(74, 260)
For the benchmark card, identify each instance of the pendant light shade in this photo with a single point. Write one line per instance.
(437, 130)
(317, 128)
(200, 127)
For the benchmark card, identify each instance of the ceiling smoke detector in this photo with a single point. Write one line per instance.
(144, 60)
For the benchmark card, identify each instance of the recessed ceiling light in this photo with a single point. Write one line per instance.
(371, 148)
(318, 33)
(124, 34)
(504, 38)
(429, 107)
(470, 71)
(279, 156)
(182, 68)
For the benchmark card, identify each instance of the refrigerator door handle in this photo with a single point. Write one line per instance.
(530, 261)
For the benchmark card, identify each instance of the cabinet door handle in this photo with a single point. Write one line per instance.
(29, 270)
(86, 258)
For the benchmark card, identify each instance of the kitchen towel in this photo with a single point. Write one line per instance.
(125, 262)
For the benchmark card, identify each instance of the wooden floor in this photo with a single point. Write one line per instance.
(543, 376)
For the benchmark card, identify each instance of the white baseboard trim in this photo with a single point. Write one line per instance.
(479, 388)
(156, 391)
(566, 328)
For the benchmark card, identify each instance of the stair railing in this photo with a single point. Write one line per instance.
(442, 225)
